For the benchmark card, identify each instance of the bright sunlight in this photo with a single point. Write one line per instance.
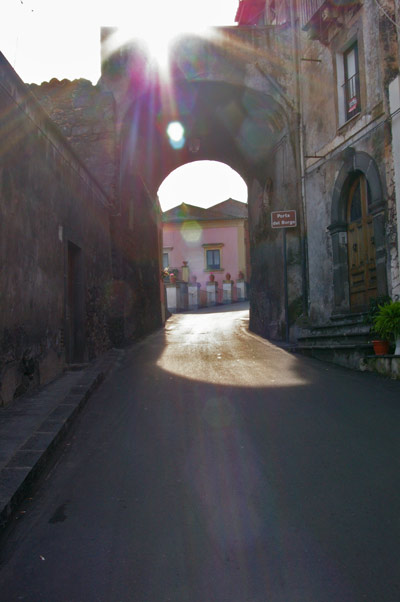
(202, 183)
(39, 49)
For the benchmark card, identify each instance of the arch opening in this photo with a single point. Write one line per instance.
(205, 232)
(357, 240)
(217, 122)
(202, 183)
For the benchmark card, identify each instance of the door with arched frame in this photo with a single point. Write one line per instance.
(361, 245)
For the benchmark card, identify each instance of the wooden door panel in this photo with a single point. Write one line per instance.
(361, 248)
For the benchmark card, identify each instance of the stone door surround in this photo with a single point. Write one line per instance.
(355, 162)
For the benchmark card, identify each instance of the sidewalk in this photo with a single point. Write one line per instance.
(32, 426)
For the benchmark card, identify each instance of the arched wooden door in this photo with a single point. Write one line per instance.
(361, 246)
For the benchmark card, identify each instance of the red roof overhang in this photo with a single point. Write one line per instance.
(249, 12)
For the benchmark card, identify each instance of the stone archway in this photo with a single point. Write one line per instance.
(240, 108)
(356, 163)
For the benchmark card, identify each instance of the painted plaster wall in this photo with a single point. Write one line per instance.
(47, 199)
(326, 136)
(187, 239)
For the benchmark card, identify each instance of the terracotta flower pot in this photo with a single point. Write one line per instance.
(212, 277)
(381, 347)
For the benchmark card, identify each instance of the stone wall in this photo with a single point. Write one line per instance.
(49, 204)
(137, 243)
(85, 114)
(278, 191)
(331, 143)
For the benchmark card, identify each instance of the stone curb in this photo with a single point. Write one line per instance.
(32, 458)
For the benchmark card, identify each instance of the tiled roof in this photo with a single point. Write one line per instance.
(229, 209)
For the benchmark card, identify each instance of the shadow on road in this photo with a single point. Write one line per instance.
(284, 492)
(192, 489)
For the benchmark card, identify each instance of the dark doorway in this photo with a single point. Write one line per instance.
(75, 306)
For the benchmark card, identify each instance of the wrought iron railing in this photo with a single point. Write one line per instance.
(352, 96)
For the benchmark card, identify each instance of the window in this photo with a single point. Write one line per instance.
(213, 259)
(351, 82)
(165, 260)
(213, 256)
(348, 83)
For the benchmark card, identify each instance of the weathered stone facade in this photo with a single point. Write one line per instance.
(241, 106)
(336, 148)
(81, 228)
(85, 115)
(78, 272)
(137, 245)
(55, 247)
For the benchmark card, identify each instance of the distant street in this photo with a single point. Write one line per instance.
(213, 466)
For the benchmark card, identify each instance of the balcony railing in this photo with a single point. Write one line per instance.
(352, 96)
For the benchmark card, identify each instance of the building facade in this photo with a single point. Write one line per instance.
(207, 241)
(349, 59)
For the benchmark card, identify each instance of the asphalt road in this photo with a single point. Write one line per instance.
(212, 466)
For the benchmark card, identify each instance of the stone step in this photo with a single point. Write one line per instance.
(334, 345)
(336, 329)
(75, 367)
(343, 340)
(346, 337)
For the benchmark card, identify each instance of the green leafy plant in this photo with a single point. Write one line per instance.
(373, 308)
(387, 321)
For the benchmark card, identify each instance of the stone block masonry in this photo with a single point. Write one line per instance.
(85, 114)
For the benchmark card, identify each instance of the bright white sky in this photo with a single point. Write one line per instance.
(203, 183)
(43, 39)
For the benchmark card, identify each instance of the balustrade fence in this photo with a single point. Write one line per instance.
(181, 296)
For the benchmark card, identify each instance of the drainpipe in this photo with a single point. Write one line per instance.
(296, 45)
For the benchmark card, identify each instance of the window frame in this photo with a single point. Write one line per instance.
(355, 78)
(214, 265)
(342, 51)
(213, 247)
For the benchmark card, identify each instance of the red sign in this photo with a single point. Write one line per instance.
(284, 219)
(353, 103)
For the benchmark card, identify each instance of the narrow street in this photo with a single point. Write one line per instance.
(213, 466)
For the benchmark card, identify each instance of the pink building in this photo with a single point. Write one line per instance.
(209, 241)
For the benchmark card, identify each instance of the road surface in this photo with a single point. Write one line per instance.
(213, 466)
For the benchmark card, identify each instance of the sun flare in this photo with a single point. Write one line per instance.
(156, 35)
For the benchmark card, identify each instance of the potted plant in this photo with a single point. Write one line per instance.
(381, 347)
(387, 323)
(165, 274)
